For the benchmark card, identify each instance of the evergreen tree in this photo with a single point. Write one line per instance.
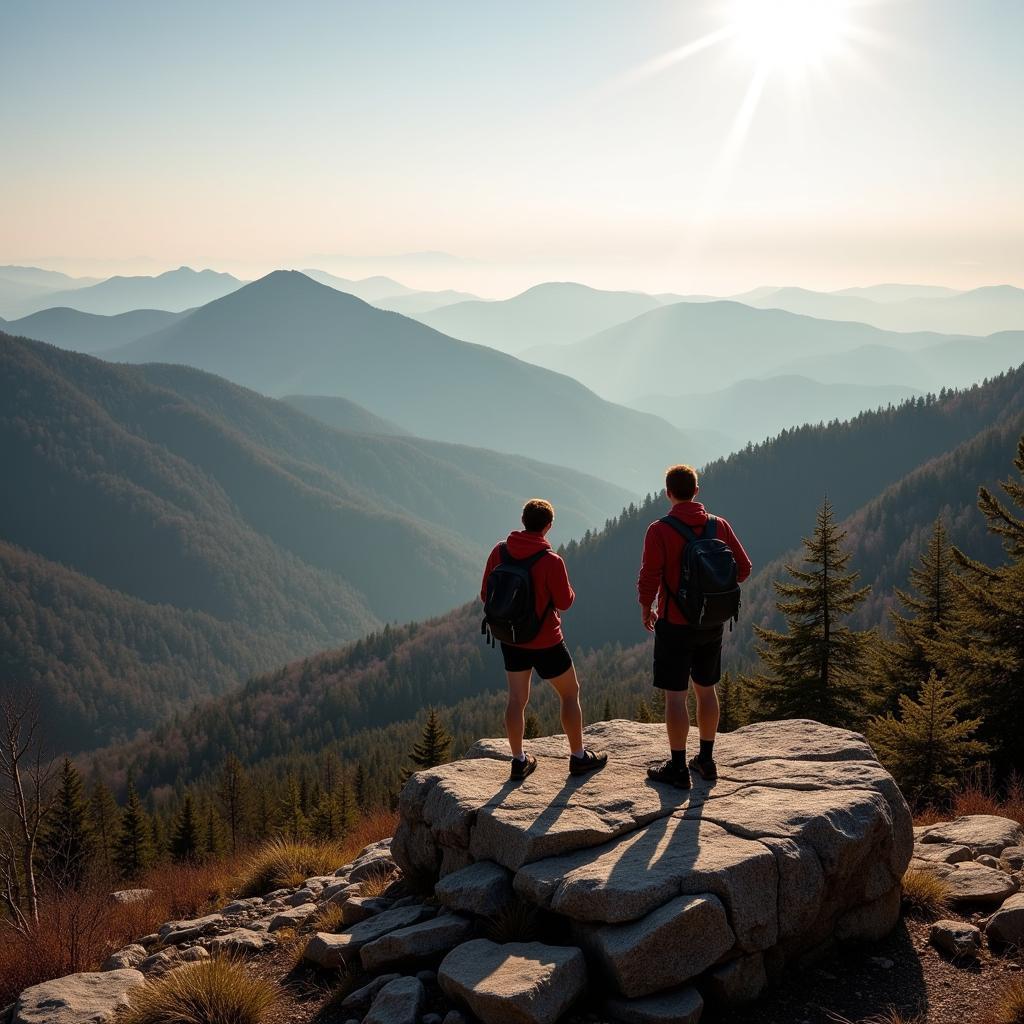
(67, 844)
(360, 787)
(213, 839)
(982, 651)
(293, 821)
(928, 747)
(105, 822)
(902, 665)
(233, 794)
(186, 840)
(732, 702)
(532, 727)
(814, 669)
(643, 711)
(134, 851)
(325, 822)
(434, 745)
(606, 714)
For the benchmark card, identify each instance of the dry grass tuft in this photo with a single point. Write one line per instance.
(516, 922)
(283, 864)
(890, 1016)
(327, 919)
(925, 895)
(377, 883)
(217, 991)
(1007, 1006)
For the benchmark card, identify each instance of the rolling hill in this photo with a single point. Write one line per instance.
(21, 286)
(757, 409)
(547, 314)
(175, 290)
(89, 332)
(705, 346)
(286, 335)
(166, 532)
(342, 414)
(422, 302)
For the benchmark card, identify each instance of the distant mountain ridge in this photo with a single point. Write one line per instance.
(89, 332)
(286, 334)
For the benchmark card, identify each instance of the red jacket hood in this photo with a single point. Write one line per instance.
(692, 513)
(522, 544)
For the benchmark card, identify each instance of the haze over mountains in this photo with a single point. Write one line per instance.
(286, 334)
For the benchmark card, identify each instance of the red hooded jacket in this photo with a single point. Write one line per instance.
(550, 584)
(663, 557)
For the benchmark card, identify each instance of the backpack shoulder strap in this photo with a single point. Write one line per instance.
(710, 529)
(680, 527)
(527, 563)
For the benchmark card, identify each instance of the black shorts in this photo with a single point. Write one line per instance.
(547, 662)
(682, 652)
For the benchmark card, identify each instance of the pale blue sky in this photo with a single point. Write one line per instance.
(251, 135)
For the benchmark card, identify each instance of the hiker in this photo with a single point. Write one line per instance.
(525, 585)
(693, 564)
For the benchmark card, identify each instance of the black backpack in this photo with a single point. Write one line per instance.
(510, 610)
(708, 593)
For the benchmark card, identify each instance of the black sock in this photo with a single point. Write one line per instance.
(679, 758)
(707, 750)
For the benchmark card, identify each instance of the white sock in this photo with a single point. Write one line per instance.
(519, 757)
(580, 752)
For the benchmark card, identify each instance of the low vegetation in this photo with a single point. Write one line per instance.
(1007, 1006)
(925, 895)
(216, 991)
(890, 1016)
(283, 862)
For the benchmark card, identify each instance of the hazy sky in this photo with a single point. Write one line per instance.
(523, 138)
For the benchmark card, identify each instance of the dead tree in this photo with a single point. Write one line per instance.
(25, 792)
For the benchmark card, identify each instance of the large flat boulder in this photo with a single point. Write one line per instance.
(420, 941)
(398, 1002)
(515, 982)
(805, 837)
(91, 998)
(983, 833)
(331, 950)
(1006, 925)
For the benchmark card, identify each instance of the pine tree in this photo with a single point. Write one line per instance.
(928, 747)
(186, 840)
(532, 727)
(213, 838)
(134, 851)
(233, 793)
(434, 745)
(606, 713)
(814, 669)
(67, 845)
(982, 651)
(902, 665)
(105, 820)
(325, 822)
(643, 711)
(360, 787)
(348, 812)
(293, 821)
(732, 702)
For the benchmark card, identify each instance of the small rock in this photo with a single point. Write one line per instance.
(359, 908)
(427, 977)
(131, 895)
(241, 906)
(1012, 858)
(361, 998)
(243, 941)
(514, 983)
(333, 950)
(160, 963)
(483, 888)
(453, 1017)
(89, 998)
(372, 865)
(398, 1002)
(149, 941)
(174, 932)
(297, 899)
(943, 853)
(956, 938)
(417, 942)
(130, 956)
(738, 981)
(988, 860)
(679, 1006)
(291, 918)
(1006, 925)
(975, 883)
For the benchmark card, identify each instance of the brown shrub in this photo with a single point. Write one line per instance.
(925, 895)
(1007, 1004)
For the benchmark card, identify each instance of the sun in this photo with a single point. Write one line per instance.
(789, 35)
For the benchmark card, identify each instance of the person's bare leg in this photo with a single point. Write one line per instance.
(567, 686)
(677, 719)
(515, 709)
(708, 711)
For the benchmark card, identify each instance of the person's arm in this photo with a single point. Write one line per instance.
(492, 561)
(648, 582)
(562, 594)
(743, 563)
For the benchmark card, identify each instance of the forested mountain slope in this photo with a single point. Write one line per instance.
(769, 491)
(286, 335)
(230, 531)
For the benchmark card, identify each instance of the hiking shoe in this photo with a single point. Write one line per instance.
(520, 769)
(707, 770)
(588, 761)
(668, 771)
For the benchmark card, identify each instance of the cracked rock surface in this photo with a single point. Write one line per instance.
(804, 837)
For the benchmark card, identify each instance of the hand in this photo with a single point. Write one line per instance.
(649, 617)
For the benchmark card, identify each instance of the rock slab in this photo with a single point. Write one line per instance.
(515, 982)
(90, 998)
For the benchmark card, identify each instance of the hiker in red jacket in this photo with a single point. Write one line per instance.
(525, 586)
(683, 650)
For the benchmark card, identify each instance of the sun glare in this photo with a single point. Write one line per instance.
(789, 34)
